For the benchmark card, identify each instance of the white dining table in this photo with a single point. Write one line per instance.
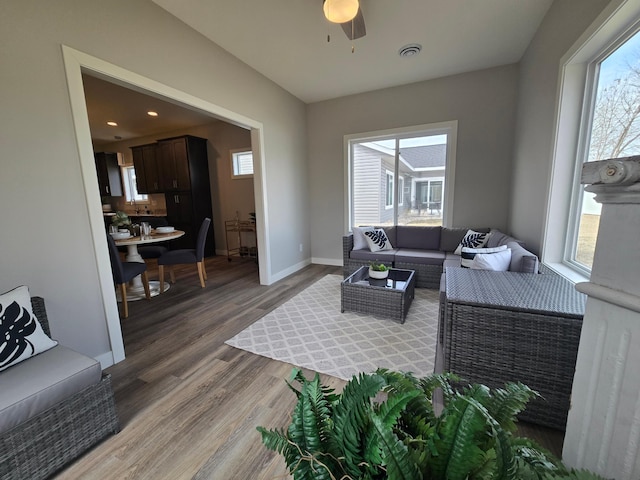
(135, 290)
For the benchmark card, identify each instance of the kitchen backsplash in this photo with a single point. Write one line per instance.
(155, 205)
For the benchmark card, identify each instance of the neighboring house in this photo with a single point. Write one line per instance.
(420, 183)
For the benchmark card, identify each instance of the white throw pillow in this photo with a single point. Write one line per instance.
(359, 240)
(21, 335)
(377, 240)
(468, 255)
(472, 239)
(498, 261)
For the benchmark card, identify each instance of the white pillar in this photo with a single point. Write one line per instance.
(603, 428)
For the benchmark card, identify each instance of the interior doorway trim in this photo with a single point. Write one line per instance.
(74, 63)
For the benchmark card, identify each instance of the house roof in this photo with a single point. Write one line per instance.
(429, 156)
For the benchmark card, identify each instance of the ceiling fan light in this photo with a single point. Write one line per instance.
(340, 11)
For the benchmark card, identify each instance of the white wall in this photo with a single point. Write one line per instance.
(483, 102)
(565, 21)
(46, 240)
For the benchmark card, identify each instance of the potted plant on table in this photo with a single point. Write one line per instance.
(384, 426)
(378, 270)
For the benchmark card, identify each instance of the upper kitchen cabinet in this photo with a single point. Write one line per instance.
(180, 158)
(184, 173)
(109, 178)
(146, 163)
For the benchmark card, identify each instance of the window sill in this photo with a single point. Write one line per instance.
(567, 272)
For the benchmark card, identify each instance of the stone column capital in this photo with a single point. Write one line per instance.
(616, 180)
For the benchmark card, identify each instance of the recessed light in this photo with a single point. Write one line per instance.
(112, 124)
(152, 114)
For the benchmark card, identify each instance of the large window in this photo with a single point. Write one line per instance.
(399, 177)
(610, 129)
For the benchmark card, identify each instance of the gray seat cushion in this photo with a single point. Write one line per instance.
(422, 257)
(36, 384)
(387, 256)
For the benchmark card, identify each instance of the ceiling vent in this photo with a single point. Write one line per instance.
(410, 50)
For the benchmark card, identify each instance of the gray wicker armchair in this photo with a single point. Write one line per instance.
(44, 444)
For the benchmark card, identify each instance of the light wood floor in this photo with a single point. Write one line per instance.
(189, 404)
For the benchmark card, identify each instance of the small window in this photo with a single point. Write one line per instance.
(130, 186)
(389, 190)
(242, 163)
(401, 192)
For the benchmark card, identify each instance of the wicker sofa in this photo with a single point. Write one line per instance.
(53, 407)
(427, 250)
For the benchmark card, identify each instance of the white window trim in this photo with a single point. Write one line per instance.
(389, 173)
(616, 22)
(400, 190)
(232, 154)
(450, 128)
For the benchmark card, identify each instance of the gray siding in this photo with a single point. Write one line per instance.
(366, 191)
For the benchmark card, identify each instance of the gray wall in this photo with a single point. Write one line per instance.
(46, 239)
(483, 102)
(565, 21)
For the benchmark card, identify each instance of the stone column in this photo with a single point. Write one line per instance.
(603, 428)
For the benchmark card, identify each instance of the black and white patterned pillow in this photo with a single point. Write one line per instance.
(472, 239)
(377, 240)
(21, 335)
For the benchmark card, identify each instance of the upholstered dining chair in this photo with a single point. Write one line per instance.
(185, 256)
(124, 272)
(153, 251)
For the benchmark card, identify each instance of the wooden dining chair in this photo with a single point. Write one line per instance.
(124, 272)
(186, 256)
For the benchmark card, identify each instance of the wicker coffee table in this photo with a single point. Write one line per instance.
(389, 298)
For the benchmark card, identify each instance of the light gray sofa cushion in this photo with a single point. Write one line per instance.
(522, 260)
(386, 256)
(422, 257)
(31, 387)
(391, 234)
(498, 238)
(422, 238)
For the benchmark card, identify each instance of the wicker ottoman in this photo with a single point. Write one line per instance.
(390, 298)
(502, 327)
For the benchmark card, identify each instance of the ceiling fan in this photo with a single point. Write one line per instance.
(348, 13)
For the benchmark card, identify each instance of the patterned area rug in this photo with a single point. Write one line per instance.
(309, 331)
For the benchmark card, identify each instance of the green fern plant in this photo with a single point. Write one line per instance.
(384, 426)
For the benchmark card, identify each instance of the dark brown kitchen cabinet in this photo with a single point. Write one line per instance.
(145, 162)
(109, 177)
(184, 173)
(175, 155)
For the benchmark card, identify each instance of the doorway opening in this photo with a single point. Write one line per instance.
(77, 63)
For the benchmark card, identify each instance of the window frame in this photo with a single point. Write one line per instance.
(389, 189)
(130, 185)
(400, 191)
(450, 128)
(572, 129)
(233, 156)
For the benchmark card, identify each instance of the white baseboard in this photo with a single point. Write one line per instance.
(327, 261)
(288, 271)
(105, 359)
